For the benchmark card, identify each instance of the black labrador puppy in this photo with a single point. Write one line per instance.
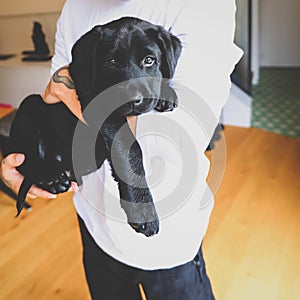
(136, 58)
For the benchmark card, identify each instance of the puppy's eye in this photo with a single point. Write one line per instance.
(148, 61)
(111, 62)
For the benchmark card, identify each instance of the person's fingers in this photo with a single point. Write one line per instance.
(35, 191)
(38, 192)
(31, 196)
(9, 174)
(74, 186)
(13, 179)
(13, 160)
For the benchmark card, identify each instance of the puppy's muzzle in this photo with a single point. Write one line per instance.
(142, 105)
(142, 94)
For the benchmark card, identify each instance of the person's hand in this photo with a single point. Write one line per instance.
(61, 88)
(13, 179)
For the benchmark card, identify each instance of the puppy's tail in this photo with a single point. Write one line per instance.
(25, 186)
(4, 148)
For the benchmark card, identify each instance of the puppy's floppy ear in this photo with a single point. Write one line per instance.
(83, 66)
(170, 47)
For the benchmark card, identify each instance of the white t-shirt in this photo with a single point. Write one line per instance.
(173, 143)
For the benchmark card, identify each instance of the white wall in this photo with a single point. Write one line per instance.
(279, 33)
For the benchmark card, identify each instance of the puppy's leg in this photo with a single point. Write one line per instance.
(29, 132)
(126, 159)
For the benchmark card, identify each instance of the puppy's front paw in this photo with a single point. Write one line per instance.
(166, 105)
(142, 217)
(148, 229)
(168, 99)
(59, 183)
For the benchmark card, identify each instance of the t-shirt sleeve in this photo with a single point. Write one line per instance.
(60, 57)
(206, 29)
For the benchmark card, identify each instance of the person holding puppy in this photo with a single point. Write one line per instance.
(169, 265)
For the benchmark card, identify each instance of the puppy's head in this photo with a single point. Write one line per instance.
(134, 56)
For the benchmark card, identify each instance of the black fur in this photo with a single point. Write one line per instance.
(107, 55)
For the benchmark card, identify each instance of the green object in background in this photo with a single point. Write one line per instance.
(276, 101)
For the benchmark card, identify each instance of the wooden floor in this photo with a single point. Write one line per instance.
(252, 247)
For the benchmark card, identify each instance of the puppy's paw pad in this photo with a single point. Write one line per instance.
(148, 229)
(165, 105)
(56, 184)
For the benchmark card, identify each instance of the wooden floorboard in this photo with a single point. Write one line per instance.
(40, 252)
(251, 247)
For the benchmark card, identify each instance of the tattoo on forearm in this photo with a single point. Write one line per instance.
(63, 79)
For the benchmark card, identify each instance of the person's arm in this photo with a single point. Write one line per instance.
(57, 89)
(209, 55)
(61, 88)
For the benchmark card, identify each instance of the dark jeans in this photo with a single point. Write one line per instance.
(111, 280)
